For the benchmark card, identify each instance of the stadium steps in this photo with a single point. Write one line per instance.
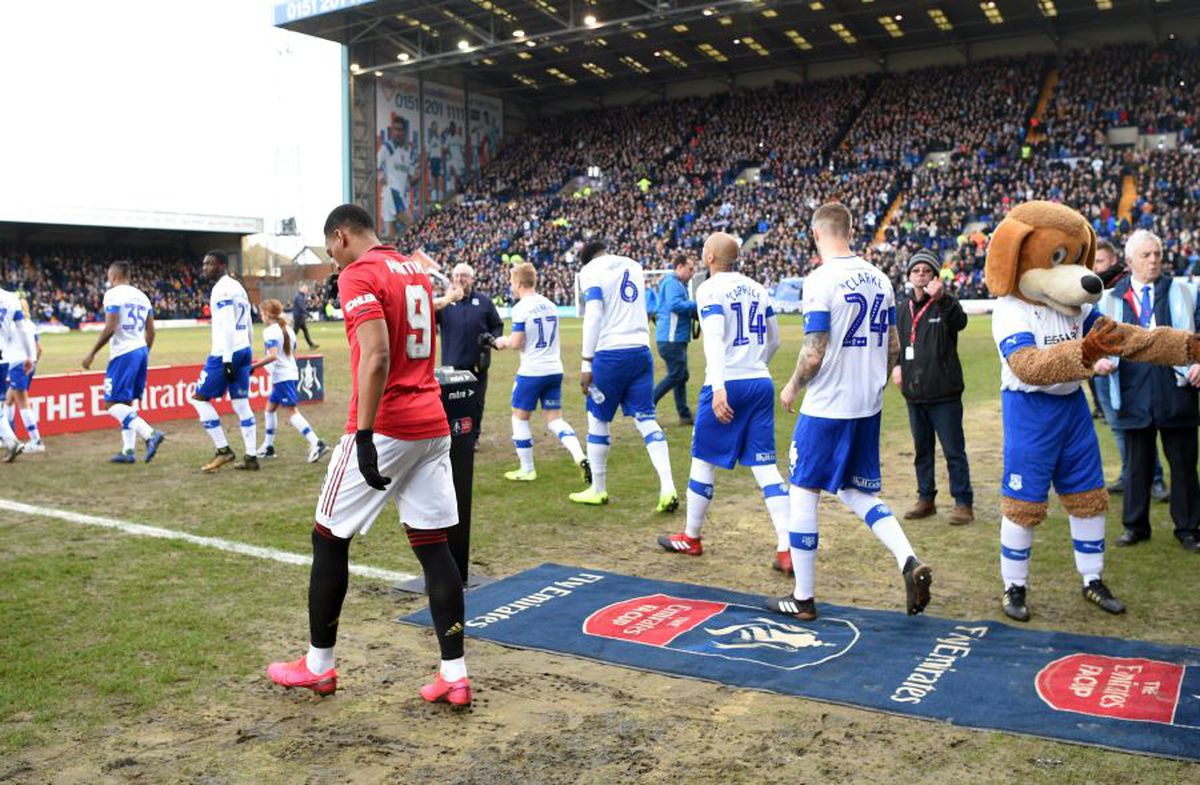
(1039, 111)
(839, 138)
(1129, 195)
(754, 240)
(881, 230)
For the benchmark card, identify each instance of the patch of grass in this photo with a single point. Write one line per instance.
(101, 624)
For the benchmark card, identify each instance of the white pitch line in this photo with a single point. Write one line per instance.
(229, 546)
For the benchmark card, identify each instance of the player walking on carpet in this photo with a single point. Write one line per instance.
(279, 345)
(850, 348)
(539, 376)
(735, 421)
(396, 449)
(129, 324)
(618, 368)
(228, 366)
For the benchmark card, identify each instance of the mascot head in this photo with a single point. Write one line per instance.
(1043, 253)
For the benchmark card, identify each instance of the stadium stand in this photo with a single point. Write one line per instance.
(923, 159)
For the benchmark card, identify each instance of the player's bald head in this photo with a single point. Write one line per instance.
(721, 250)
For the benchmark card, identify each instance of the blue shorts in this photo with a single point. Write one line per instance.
(212, 384)
(836, 454)
(1048, 438)
(528, 391)
(283, 393)
(625, 378)
(750, 438)
(435, 167)
(3, 379)
(18, 379)
(125, 376)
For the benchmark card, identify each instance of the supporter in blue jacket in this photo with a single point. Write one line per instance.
(673, 330)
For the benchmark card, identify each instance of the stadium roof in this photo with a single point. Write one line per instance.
(539, 50)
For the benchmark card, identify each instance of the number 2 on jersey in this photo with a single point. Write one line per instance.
(420, 341)
(878, 322)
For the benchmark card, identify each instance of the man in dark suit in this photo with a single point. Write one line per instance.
(1153, 400)
(300, 316)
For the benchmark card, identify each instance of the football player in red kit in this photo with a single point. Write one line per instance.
(396, 449)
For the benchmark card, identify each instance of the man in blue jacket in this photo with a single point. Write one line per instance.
(673, 330)
(1155, 400)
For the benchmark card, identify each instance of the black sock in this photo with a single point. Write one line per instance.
(443, 584)
(327, 586)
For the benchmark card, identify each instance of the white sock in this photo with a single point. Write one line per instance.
(566, 437)
(1088, 537)
(699, 494)
(523, 441)
(129, 418)
(597, 452)
(7, 435)
(453, 670)
(128, 440)
(803, 539)
(319, 660)
(211, 422)
(775, 494)
(241, 407)
(300, 424)
(1015, 545)
(31, 425)
(271, 421)
(660, 454)
(880, 520)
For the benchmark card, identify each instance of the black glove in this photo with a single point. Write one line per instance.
(368, 460)
(487, 341)
(230, 373)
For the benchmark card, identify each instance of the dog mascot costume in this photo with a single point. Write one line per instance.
(1049, 335)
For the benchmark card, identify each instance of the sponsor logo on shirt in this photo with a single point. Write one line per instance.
(362, 299)
(1050, 340)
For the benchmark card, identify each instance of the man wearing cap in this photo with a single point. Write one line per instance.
(931, 378)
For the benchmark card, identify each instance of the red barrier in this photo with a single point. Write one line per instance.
(74, 402)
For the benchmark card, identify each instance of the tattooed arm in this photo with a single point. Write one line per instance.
(893, 349)
(808, 364)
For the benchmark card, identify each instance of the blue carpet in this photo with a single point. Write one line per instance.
(1120, 694)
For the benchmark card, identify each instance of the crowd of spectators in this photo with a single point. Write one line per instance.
(1155, 88)
(978, 109)
(67, 284)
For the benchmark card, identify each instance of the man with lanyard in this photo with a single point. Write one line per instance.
(931, 378)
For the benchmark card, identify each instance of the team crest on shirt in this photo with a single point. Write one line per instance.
(1015, 482)
(720, 629)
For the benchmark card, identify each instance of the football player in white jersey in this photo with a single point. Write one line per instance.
(456, 158)
(850, 348)
(21, 368)
(20, 353)
(618, 369)
(129, 324)
(735, 421)
(279, 344)
(435, 149)
(394, 161)
(228, 366)
(539, 376)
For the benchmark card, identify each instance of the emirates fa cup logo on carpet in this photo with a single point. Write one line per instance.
(765, 633)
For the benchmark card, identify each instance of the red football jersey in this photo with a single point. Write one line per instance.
(382, 284)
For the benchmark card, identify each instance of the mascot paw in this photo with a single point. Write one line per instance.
(1104, 339)
(1193, 348)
